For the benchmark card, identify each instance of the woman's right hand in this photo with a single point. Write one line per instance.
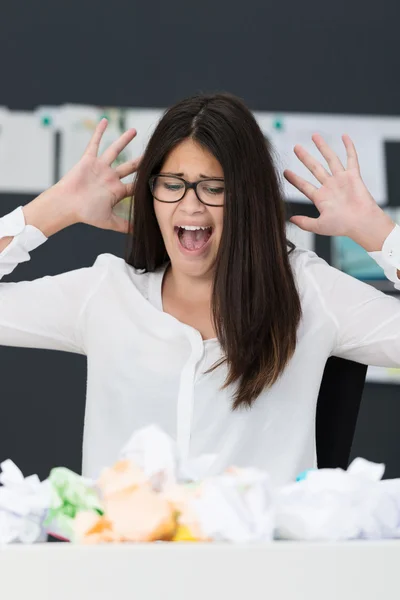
(92, 187)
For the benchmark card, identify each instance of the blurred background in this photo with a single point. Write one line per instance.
(301, 67)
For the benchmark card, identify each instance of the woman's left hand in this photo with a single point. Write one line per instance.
(345, 205)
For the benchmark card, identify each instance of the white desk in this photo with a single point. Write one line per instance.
(277, 571)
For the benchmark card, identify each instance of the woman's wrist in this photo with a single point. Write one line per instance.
(50, 212)
(370, 231)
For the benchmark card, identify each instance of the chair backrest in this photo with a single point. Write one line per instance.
(339, 401)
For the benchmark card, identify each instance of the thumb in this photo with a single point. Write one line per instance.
(305, 223)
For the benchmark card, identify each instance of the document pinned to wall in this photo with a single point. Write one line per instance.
(286, 130)
(144, 120)
(26, 153)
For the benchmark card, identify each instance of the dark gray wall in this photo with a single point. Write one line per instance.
(284, 56)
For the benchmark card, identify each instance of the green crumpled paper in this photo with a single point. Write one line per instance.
(71, 494)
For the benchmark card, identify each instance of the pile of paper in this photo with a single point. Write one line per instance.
(150, 494)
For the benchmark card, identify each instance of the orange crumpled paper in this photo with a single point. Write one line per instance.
(133, 512)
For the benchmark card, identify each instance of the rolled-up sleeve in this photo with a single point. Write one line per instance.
(26, 239)
(389, 257)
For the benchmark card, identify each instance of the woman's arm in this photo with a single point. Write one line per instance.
(345, 205)
(48, 213)
(367, 321)
(4, 242)
(46, 313)
(87, 193)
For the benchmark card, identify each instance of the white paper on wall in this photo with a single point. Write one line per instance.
(49, 116)
(3, 114)
(144, 120)
(388, 128)
(27, 142)
(286, 130)
(26, 153)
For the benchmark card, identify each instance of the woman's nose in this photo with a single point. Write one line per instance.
(191, 203)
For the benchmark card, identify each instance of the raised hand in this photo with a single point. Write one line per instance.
(93, 187)
(345, 205)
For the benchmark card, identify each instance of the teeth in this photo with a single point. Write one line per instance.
(192, 227)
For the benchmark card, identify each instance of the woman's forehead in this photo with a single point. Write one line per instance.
(189, 158)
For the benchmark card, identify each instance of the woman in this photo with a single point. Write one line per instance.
(215, 327)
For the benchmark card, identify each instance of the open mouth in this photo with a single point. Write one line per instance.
(193, 237)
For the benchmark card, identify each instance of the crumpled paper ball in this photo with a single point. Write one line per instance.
(70, 495)
(23, 505)
(333, 505)
(236, 506)
(155, 453)
(133, 511)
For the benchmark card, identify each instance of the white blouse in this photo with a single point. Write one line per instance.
(144, 366)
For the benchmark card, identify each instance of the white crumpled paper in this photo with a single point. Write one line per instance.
(332, 505)
(155, 453)
(23, 505)
(236, 507)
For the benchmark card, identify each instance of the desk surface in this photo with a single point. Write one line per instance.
(277, 571)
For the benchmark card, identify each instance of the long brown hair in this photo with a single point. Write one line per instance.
(255, 304)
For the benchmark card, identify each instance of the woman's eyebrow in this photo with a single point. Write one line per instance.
(182, 175)
(170, 173)
(210, 176)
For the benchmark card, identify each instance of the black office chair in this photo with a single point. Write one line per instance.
(338, 405)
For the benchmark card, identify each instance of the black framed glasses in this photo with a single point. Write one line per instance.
(169, 188)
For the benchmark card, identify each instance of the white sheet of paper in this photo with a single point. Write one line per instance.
(388, 128)
(49, 116)
(287, 130)
(144, 120)
(26, 153)
(3, 114)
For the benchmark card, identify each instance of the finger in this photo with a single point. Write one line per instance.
(115, 149)
(352, 158)
(329, 155)
(306, 223)
(305, 187)
(315, 167)
(127, 168)
(92, 148)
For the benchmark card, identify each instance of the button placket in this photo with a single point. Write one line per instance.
(186, 394)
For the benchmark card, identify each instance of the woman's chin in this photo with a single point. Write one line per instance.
(193, 265)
